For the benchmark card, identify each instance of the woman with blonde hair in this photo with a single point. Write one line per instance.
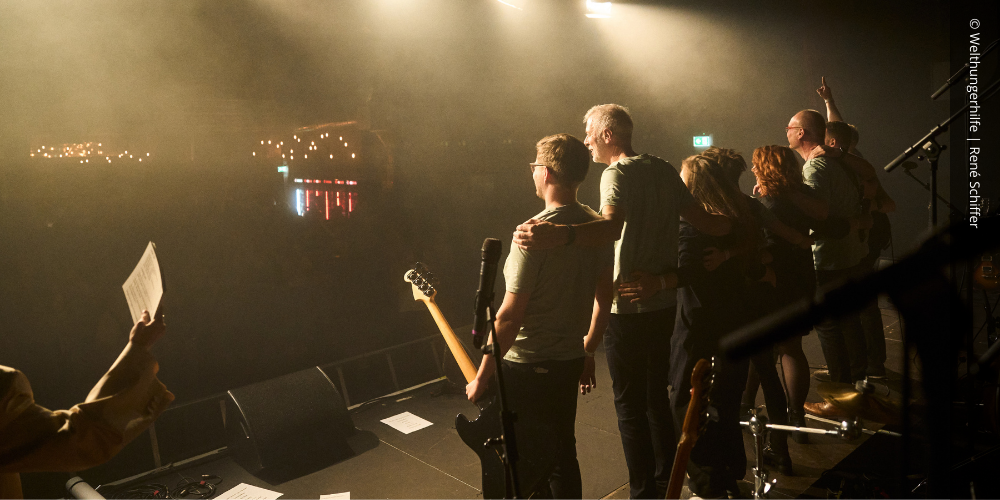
(711, 304)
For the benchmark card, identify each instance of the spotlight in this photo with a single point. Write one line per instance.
(598, 10)
(510, 3)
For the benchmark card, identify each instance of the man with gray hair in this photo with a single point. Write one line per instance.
(642, 200)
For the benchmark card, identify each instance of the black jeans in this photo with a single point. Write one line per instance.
(544, 395)
(843, 339)
(638, 351)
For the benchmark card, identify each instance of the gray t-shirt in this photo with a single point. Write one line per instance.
(562, 282)
(831, 182)
(652, 195)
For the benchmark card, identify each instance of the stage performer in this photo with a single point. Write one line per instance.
(553, 317)
(762, 298)
(712, 304)
(642, 199)
(834, 259)
(126, 400)
(844, 136)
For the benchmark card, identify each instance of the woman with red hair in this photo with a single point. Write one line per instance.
(781, 190)
(779, 182)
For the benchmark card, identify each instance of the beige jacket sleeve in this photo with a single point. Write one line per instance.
(126, 400)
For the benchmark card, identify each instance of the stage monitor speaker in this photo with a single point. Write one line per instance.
(287, 424)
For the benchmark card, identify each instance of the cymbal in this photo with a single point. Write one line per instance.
(869, 406)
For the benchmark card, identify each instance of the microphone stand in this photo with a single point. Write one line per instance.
(960, 73)
(908, 170)
(932, 150)
(507, 439)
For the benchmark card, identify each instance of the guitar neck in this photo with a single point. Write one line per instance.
(462, 357)
(680, 467)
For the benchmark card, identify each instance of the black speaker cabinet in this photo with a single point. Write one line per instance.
(285, 424)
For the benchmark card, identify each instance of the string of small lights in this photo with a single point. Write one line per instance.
(83, 151)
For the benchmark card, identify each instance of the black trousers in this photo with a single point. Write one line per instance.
(638, 351)
(543, 395)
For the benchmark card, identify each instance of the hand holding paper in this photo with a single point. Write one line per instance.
(144, 287)
(145, 333)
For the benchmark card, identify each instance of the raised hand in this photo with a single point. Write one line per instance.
(145, 333)
(824, 91)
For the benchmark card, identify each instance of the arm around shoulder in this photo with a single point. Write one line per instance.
(711, 224)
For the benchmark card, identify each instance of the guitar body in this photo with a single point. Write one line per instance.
(532, 441)
(474, 434)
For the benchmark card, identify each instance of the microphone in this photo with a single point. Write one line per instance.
(484, 296)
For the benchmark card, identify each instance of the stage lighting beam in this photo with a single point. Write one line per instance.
(598, 10)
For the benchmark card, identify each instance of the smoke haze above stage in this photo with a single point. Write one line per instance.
(458, 91)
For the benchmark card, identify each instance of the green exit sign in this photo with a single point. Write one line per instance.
(283, 169)
(702, 141)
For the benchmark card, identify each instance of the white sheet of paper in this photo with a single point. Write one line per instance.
(144, 287)
(344, 495)
(244, 491)
(406, 422)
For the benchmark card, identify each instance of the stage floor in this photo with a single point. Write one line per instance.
(433, 462)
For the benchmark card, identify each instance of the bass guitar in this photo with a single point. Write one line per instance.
(695, 421)
(487, 425)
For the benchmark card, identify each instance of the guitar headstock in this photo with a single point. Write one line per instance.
(421, 282)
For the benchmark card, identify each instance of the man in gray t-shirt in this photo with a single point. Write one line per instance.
(547, 324)
(561, 283)
(654, 195)
(838, 187)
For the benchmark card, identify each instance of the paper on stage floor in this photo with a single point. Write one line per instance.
(144, 287)
(336, 496)
(244, 491)
(406, 422)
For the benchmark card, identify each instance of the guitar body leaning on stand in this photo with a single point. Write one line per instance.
(487, 425)
(695, 420)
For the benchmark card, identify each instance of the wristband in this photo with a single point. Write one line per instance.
(572, 235)
(588, 353)
(663, 283)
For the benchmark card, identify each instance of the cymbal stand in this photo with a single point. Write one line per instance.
(847, 430)
(758, 427)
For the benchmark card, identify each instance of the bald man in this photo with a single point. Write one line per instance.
(840, 189)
